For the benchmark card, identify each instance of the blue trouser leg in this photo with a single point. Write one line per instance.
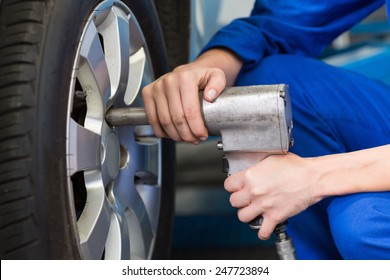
(334, 111)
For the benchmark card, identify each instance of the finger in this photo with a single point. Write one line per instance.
(215, 84)
(164, 117)
(239, 199)
(192, 110)
(235, 182)
(178, 116)
(266, 229)
(151, 112)
(249, 213)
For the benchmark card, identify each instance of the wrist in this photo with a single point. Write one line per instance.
(328, 176)
(223, 59)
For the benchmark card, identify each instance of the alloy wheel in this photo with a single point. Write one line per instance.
(114, 172)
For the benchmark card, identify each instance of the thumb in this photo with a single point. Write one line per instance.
(215, 85)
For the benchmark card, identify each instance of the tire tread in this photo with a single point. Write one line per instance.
(174, 17)
(21, 34)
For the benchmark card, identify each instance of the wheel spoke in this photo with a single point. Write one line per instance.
(151, 196)
(140, 227)
(137, 38)
(84, 147)
(93, 70)
(116, 39)
(117, 244)
(94, 223)
(137, 61)
(137, 66)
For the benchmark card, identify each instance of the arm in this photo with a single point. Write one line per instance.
(361, 171)
(282, 186)
(303, 27)
(275, 26)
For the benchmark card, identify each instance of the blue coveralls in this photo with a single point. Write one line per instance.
(334, 111)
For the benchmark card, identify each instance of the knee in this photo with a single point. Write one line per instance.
(360, 225)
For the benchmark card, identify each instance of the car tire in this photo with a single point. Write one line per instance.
(175, 20)
(65, 174)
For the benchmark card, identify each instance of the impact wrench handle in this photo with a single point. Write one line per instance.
(284, 245)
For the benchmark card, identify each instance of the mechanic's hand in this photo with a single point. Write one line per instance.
(277, 188)
(172, 102)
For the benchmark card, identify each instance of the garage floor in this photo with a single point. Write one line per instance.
(206, 226)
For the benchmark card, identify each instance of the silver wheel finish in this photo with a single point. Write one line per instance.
(120, 168)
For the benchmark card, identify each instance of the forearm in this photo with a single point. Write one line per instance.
(282, 186)
(361, 171)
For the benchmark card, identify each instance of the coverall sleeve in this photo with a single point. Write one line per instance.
(303, 27)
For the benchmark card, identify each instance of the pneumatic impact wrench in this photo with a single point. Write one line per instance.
(253, 122)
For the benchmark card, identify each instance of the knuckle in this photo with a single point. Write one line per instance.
(254, 192)
(218, 74)
(246, 175)
(218, 71)
(190, 112)
(185, 77)
(276, 217)
(165, 121)
(147, 91)
(178, 119)
(153, 121)
(169, 80)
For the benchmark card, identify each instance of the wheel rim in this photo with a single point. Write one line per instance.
(114, 172)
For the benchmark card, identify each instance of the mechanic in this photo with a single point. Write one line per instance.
(334, 185)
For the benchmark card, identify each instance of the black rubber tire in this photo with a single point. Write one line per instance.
(38, 40)
(175, 21)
